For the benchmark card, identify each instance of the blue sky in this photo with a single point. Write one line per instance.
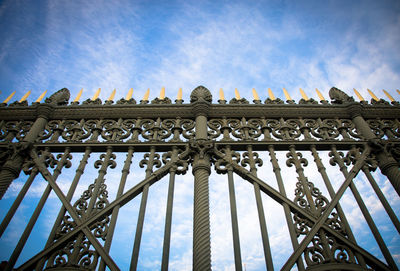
(147, 44)
(48, 45)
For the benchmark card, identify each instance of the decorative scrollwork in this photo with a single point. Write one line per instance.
(309, 101)
(100, 228)
(113, 130)
(315, 252)
(92, 102)
(24, 127)
(251, 159)
(223, 159)
(87, 257)
(287, 130)
(175, 156)
(74, 131)
(157, 100)
(238, 101)
(123, 101)
(275, 101)
(245, 130)
(18, 103)
(81, 205)
(150, 161)
(325, 129)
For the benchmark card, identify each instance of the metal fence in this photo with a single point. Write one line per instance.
(225, 137)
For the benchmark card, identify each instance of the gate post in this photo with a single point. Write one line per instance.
(200, 99)
(387, 163)
(19, 151)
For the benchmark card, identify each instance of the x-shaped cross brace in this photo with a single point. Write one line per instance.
(84, 225)
(319, 222)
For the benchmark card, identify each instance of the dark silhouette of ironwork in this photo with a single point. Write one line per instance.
(225, 137)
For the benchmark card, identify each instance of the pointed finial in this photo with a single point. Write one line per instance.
(162, 93)
(237, 95)
(255, 95)
(41, 97)
(398, 91)
(111, 98)
(358, 95)
(372, 95)
(8, 98)
(303, 94)
(96, 95)
(78, 96)
(388, 95)
(320, 96)
(179, 97)
(146, 95)
(221, 94)
(129, 95)
(271, 94)
(287, 96)
(25, 96)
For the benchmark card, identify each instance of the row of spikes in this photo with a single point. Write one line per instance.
(221, 95)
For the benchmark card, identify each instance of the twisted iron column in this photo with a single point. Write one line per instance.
(201, 99)
(201, 214)
(386, 163)
(19, 151)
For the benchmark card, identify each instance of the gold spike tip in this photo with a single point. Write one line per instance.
(320, 96)
(255, 95)
(179, 97)
(287, 96)
(361, 98)
(221, 95)
(146, 95)
(25, 96)
(303, 94)
(78, 96)
(41, 97)
(129, 95)
(9, 98)
(398, 91)
(388, 95)
(162, 93)
(271, 94)
(96, 95)
(372, 95)
(112, 95)
(237, 95)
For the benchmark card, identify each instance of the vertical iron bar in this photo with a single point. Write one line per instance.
(17, 201)
(97, 184)
(304, 181)
(261, 214)
(234, 219)
(142, 210)
(168, 216)
(322, 170)
(71, 191)
(289, 221)
(383, 199)
(114, 215)
(32, 221)
(365, 212)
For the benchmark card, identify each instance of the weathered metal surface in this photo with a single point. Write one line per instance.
(229, 136)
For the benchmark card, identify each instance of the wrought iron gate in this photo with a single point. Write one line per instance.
(225, 137)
